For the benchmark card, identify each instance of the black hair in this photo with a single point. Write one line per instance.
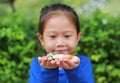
(53, 9)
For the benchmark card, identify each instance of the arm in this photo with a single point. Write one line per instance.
(81, 74)
(38, 74)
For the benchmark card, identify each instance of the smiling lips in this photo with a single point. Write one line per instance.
(61, 51)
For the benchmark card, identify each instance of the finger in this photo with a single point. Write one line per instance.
(57, 62)
(76, 60)
(48, 63)
(52, 62)
(45, 58)
(44, 61)
(70, 63)
(40, 59)
(49, 59)
(65, 65)
(61, 61)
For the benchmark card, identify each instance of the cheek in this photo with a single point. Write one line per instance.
(49, 47)
(72, 47)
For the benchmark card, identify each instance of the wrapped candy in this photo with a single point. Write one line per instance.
(58, 56)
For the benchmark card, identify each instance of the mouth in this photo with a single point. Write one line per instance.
(61, 52)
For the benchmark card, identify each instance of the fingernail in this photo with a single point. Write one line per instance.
(52, 62)
(39, 59)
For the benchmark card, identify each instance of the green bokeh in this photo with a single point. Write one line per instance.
(19, 45)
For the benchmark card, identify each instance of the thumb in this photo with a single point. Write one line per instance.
(40, 59)
(76, 60)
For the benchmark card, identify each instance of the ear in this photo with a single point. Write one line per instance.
(78, 37)
(40, 37)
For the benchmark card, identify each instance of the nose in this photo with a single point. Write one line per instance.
(60, 43)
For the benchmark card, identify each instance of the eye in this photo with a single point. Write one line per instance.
(67, 36)
(52, 36)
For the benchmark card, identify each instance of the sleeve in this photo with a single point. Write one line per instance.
(81, 74)
(38, 74)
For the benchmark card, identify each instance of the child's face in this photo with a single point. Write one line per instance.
(60, 35)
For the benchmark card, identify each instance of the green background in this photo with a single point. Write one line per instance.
(100, 42)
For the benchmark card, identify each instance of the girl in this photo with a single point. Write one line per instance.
(59, 34)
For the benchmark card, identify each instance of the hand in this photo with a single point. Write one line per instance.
(48, 63)
(69, 63)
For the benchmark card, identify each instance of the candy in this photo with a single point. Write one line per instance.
(50, 55)
(68, 56)
(58, 56)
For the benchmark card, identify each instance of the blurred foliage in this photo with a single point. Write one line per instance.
(18, 43)
(17, 47)
(100, 41)
(29, 6)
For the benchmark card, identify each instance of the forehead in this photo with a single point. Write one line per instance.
(48, 16)
(60, 21)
